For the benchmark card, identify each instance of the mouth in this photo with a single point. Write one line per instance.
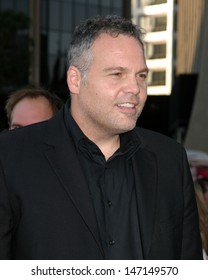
(126, 105)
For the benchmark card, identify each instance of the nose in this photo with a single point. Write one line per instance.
(132, 86)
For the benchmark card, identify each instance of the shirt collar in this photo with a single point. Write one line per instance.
(130, 141)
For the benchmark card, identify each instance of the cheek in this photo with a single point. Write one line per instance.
(102, 94)
(145, 97)
(143, 87)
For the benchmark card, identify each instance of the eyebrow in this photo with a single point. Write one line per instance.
(123, 69)
(116, 68)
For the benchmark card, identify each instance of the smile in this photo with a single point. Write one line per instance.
(126, 105)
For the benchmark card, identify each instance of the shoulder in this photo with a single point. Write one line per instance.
(155, 137)
(19, 135)
(31, 135)
(157, 142)
(168, 153)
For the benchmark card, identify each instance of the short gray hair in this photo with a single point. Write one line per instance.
(80, 54)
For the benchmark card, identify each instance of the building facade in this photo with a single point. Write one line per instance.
(158, 17)
(34, 38)
(175, 45)
(51, 25)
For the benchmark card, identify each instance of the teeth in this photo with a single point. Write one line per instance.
(127, 105)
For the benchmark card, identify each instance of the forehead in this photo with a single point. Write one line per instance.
(109, 40)
(28, 101)
(107, 48)
(30, 105)
(31, 110)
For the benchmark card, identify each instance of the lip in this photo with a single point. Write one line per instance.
(127, 107)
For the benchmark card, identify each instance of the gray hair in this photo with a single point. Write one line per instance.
(80, 54)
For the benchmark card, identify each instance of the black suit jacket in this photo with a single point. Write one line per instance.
(46, 211)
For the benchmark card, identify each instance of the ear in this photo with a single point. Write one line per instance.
(73, 79)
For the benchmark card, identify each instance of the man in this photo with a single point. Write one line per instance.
(88, 184)
(27, 106)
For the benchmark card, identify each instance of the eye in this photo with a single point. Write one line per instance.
(117, 74)
(142, 76)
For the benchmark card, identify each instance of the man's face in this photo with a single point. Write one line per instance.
(114, 94)
(30, 110)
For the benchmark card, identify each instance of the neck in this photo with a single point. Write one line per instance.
(107, 142)
(108, 146)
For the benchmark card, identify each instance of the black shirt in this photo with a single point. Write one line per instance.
(112, 188)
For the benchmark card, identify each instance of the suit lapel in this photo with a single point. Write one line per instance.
(59, 151)
(145, 171)
(62, 157)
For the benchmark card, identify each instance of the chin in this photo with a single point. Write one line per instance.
(126, 128)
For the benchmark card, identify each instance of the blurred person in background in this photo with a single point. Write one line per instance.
(203, 218)
(202, 179)
(198, 162)
(30, 105)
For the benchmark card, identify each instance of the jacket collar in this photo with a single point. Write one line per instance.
(62, 157)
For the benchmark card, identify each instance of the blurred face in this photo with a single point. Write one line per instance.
(30, 110)
(110, 101)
